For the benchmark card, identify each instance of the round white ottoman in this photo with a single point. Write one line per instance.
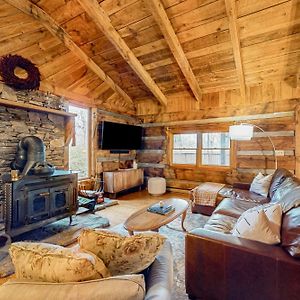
(156, 186)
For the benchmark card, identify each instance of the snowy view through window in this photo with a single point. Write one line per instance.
(78, 155)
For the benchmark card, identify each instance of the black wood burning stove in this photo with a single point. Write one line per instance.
(34, 201)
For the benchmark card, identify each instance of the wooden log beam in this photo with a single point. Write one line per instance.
(297, 142)
(235, 39)
(101, 19)
(162, 20)
(37, 13)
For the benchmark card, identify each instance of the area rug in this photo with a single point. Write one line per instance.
(176, 236)
(59, 233)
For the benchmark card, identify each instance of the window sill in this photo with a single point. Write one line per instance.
(206, 168)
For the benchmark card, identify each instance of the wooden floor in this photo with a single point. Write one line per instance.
(128, 204)
(132, 202)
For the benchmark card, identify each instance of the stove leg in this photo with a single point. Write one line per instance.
(70, 222)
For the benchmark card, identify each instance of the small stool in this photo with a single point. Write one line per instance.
(157, 186)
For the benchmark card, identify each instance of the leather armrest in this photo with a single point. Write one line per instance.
(159, 280)
(241, 185)
(258, 248)
(222, 266)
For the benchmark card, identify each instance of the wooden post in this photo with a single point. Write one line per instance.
(297, 140)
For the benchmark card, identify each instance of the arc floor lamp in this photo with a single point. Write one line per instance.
(244, 132)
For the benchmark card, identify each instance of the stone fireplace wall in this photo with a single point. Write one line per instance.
(18, 123)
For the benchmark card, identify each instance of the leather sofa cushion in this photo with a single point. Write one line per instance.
(290, 200)
(245, 195)
(220, 223)
(126, 287)
(234, 207)
(288, 185)
(279, 176)
(290, 232)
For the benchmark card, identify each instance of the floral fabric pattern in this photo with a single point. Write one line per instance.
(52, 263)
(122, 254)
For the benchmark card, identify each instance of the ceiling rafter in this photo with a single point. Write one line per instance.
(162, 20)
(235, 39)
(101, 19)
(34, 11)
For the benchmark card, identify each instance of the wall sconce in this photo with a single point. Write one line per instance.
(244, 132)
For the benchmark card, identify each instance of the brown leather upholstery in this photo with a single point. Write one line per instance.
(224, 267)
(221, 223)
(233, 207)
(279, 176)
(221, 266)
(290, 232)
(246, 195)
(285, 187)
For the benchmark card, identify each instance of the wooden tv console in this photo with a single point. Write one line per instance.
(121, 180)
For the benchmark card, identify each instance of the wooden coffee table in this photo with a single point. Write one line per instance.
(142, 220)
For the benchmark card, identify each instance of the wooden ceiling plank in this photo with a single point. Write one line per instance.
(161, 18)
(101, 19)
(34, 11)
(235, 39)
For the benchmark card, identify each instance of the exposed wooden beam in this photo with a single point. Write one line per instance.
(235, 39)
(34, 11)
(222, 119)
(161, 18)
(101, 19)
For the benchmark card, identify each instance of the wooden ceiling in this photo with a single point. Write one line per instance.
(112, 53)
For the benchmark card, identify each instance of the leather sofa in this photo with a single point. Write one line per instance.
(221, 266)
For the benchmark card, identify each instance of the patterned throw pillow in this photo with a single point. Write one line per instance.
(122, 254)
(261, 184)
(52, 263)
(261, 223)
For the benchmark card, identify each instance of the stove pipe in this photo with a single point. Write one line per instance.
(31, 153)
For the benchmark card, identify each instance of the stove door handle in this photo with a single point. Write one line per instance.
(44, 194)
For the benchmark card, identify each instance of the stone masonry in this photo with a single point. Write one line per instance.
(18, 123)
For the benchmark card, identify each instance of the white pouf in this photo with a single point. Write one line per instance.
(157, 186)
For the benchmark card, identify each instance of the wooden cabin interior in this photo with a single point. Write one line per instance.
(186, 79)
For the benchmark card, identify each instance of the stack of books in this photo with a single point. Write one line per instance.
(162, 210)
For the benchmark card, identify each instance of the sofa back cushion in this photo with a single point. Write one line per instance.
(52, 263)
(287, 186)
(278, 177)
(127, 287)
(122, 254)
(290, 232)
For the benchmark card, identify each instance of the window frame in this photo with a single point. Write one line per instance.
(199, 149)
(89, 140)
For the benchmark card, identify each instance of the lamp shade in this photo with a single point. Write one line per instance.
(242, 132)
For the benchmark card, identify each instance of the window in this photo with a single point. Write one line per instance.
(79, 154)
(201, 149)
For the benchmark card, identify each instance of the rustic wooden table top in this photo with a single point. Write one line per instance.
(142, 220)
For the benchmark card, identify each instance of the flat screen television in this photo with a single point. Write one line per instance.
(116, 136)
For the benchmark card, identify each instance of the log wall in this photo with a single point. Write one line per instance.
(103, 159)
(218, 111)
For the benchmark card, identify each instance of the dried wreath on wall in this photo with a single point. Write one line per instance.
(8, 65)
